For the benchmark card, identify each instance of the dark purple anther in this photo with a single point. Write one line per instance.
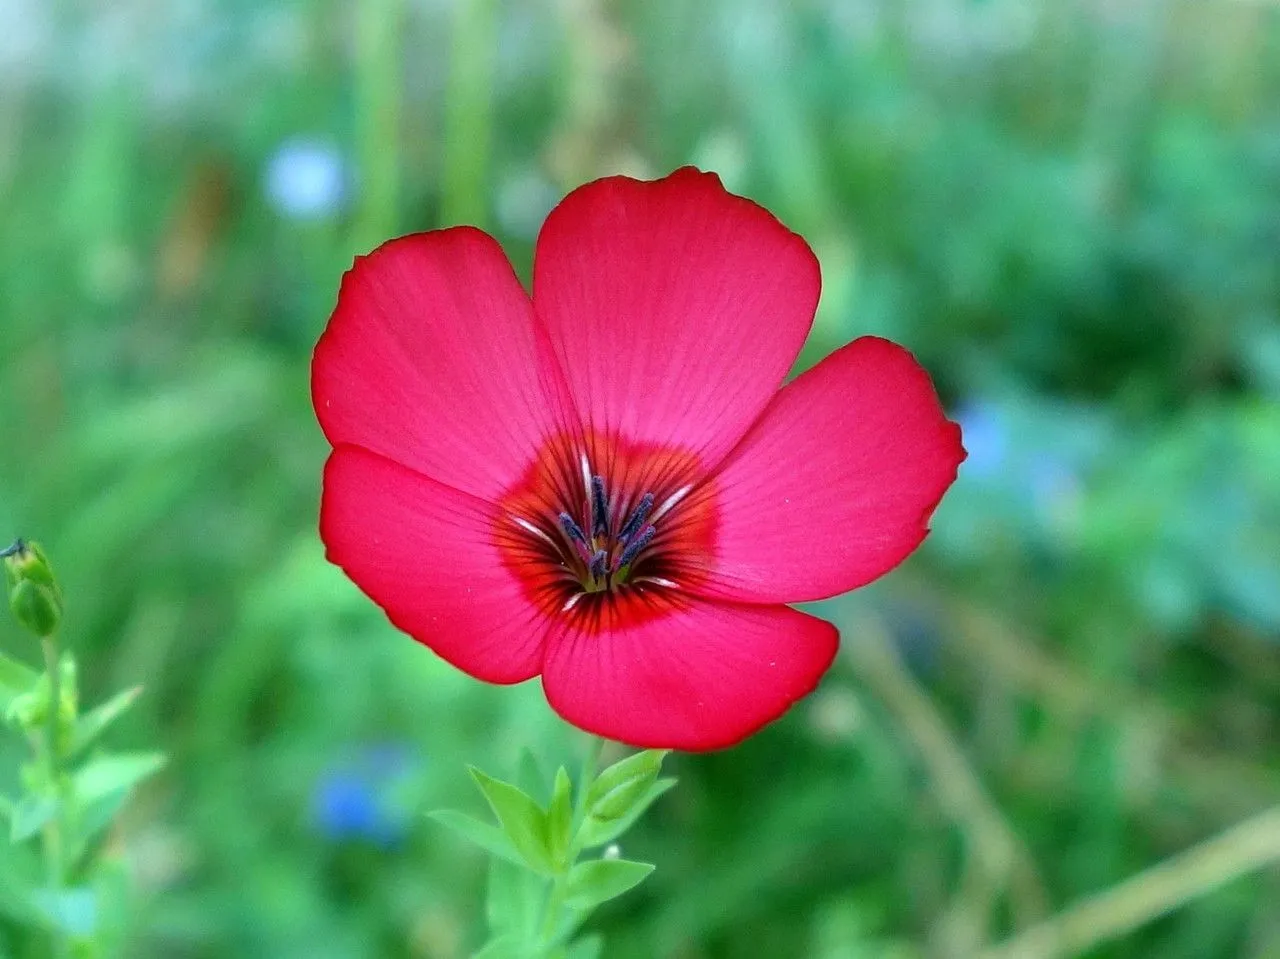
(599, 508)
(638, 516)
(599, 564)
(629, 554)
(573, 530)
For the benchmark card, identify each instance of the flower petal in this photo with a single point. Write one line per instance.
(432, 359)
(425, 553)
(675, 307)
(834, 486)
(698, 676)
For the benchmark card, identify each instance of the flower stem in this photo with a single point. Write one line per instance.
(555, 896)
(53, 849)
(1244, 848)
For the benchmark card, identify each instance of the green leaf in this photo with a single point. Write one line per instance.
(93, 723)
(560, 817)
(598, 832)
(599, 880)
(30, 815)
(489, 838)
(531, 775)
(521, 819)
(93, 819)
(623, 784)
(16, 679)
(105, 775)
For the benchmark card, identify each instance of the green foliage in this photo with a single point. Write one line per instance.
(523, 822)
(539, 890)
(64, 805)
(619, 788)
(597, 881)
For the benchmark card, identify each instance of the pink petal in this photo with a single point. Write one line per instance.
(432, 359)
(834, 486)
(675, 308)
(697, 676)
(426, 554)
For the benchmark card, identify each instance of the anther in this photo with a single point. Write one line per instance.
(572, 529)
(638, 516)
(599, 565)
(629, 554)
(599, 508)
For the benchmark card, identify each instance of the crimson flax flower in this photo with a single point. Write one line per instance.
(606, 484)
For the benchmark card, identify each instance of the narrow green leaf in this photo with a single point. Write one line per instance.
(560, 817)
(531, 776)
(521, 819)
(93, 723)
(30, 815)
(599, 880)
(598, 832)
(93, 818)
(104, 775)
(489, 838)
(6, 807)
(623, 784)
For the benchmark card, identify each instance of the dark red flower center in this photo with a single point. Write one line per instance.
(596, 523)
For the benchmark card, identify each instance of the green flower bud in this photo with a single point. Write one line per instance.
(34, 596)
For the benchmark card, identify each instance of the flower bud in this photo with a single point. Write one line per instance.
(34, 596)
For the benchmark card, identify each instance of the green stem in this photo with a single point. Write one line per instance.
(555, 897)
(551, 913)
(1252, 845)
(53, 850)
(468, 113)
(378, 87)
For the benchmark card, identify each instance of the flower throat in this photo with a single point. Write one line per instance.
(604, 556)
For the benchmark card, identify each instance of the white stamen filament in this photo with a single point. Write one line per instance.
(657, 581)
(669, 502)
(526, 525)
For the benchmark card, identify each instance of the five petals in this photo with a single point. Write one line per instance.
(664, 313)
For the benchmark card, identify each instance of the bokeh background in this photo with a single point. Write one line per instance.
(1070, 211)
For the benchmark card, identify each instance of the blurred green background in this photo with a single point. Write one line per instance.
(1069, 209)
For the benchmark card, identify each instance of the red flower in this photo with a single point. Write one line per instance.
(604, 484)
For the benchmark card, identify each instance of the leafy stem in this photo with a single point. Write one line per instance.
(535, 908)
(53, 831)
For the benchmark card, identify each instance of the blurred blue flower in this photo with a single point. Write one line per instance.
(368, 798)
(985, 435)
(306, 179)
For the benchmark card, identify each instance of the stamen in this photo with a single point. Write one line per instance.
(526, 525)
(638, 516)
(599, 565)
(670, 501)
(599, 508)
(586, 470)
(657, 581)
(633, 548)
(573, 530)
